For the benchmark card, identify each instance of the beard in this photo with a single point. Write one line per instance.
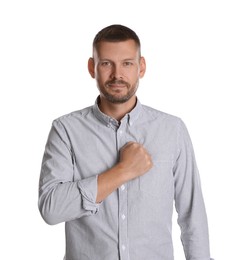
(114, 95)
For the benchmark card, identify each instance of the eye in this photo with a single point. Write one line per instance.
(127, 63)
(105, 63)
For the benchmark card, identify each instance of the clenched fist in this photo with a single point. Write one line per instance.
(135, 160)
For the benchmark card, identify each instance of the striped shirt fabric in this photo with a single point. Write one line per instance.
(135, 221)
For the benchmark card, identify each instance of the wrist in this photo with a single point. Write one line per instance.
(124, 172)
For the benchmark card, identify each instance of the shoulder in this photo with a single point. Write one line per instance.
(156, 114)
(73, 120)
(167, 122)
(74, 115)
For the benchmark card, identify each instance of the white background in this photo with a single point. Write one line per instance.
(196, 68)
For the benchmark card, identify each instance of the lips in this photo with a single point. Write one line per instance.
(117, 84)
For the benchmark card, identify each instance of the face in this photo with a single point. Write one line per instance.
(117, 68)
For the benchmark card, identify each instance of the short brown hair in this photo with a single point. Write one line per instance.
(116, 33)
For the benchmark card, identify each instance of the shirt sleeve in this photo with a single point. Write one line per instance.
(61, 198)
(189, 202)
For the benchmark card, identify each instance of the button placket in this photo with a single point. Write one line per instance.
(123, 233)
(122, 191)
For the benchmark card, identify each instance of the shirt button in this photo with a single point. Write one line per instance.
(123, 247)
(122, 187)
(123, 216)
(121, 132)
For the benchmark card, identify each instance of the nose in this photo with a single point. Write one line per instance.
(117, 72)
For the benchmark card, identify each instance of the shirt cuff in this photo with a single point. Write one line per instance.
(88, 190)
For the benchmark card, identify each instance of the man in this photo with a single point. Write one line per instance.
(112, 171)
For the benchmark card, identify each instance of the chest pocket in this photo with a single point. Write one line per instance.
(158, 181)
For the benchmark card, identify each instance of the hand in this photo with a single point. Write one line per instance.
(135, 160)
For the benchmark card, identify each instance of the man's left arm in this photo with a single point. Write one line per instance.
(189, 202)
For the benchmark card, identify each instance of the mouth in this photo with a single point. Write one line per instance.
(117, 84)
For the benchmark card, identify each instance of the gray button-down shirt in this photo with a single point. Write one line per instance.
(135, 221)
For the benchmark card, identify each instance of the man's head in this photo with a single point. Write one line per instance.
(117, 64)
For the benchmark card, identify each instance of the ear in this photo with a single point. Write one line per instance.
(91, 67)
(142, 67)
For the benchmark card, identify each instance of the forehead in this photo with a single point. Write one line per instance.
(112, 50)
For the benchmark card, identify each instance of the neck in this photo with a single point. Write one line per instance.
(117, 111)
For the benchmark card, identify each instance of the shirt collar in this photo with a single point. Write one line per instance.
(131, 117)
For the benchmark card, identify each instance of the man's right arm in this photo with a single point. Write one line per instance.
(61, 198)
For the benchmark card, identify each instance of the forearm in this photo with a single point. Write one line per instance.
(192, 216)
(109, 181)
(63, 202)
(194, 232)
